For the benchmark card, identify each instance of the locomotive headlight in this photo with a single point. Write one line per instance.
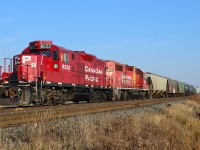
(23, 78)
(19, 90)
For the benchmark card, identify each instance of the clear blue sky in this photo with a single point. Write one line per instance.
(157, 36)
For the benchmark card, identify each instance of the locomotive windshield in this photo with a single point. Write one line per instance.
(45, 53)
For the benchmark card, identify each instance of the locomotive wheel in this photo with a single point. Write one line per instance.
(50, 102)
(103, 97)
(115, 98)
(48, 97)
(91, 98)
(124, 96)
(94, 97)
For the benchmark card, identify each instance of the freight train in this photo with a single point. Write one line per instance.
(47, 74)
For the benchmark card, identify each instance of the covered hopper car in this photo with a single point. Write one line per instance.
(189, 89)
(172, 88)
(157, 85)
(181, 88)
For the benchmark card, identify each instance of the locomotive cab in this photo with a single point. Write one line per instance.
(30, 64)
(29, 68)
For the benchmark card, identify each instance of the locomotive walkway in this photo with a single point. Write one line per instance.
(15, 116)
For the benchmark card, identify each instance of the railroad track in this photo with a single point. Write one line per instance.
(15, 116)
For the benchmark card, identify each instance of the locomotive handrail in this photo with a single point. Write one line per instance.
(7, 68)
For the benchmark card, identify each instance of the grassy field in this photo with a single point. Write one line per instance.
(175, 127)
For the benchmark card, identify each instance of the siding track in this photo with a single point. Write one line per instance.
(15, 116)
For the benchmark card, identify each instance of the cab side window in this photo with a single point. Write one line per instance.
(65, 58)
(141, 75)
(55, 55)
(73, 57)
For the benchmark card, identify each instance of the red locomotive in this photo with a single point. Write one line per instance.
(48, 74)
(127, 81)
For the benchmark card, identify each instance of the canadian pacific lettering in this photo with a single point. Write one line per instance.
(93, 70)
(90, 78)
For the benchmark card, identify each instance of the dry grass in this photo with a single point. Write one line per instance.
(196, 98)
(175, 127)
